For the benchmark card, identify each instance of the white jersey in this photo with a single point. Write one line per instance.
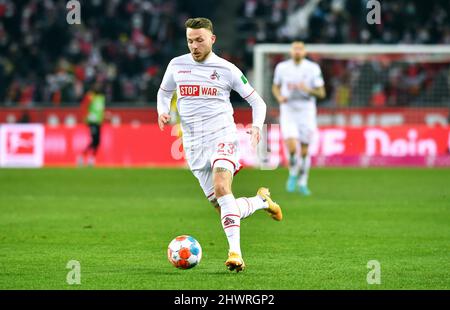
(203, 92)
(288, 75)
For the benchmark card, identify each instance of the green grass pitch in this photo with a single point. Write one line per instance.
(118, 222)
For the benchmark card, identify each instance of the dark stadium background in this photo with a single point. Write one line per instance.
(127, 44)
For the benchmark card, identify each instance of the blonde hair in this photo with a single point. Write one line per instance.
(298, 42)
(199, 22)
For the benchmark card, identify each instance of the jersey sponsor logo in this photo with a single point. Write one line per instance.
(190, 90)
(244, 79)
(184, 71)
(208, 91)
(197, 90)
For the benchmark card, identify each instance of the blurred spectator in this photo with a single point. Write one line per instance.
(378, 98)
(24, 117)
(343, 21)
(121, 43)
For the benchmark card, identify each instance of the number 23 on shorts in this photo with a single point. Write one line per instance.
(226, 149)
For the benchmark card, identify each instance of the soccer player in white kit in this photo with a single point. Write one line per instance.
(203, 82)
(297, 83)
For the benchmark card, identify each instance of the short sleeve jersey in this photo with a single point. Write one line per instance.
(288, 75)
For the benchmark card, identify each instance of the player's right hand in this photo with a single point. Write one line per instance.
(163, 119)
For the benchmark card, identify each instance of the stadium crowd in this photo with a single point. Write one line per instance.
(125, 45)
(351, 83)
(122, 44)
(344, 21)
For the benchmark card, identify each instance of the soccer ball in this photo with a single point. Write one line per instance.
(184, 252)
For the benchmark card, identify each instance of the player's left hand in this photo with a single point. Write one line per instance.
(255, 135)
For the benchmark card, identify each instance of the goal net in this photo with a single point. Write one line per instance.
(404, 84)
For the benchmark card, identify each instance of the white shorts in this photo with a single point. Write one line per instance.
(218, 150)
(298, 124)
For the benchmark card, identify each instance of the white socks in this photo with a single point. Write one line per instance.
(248, 206)
(304, 171)
(299, 165)
(294, 165)
(231, 221)
(232, 211)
